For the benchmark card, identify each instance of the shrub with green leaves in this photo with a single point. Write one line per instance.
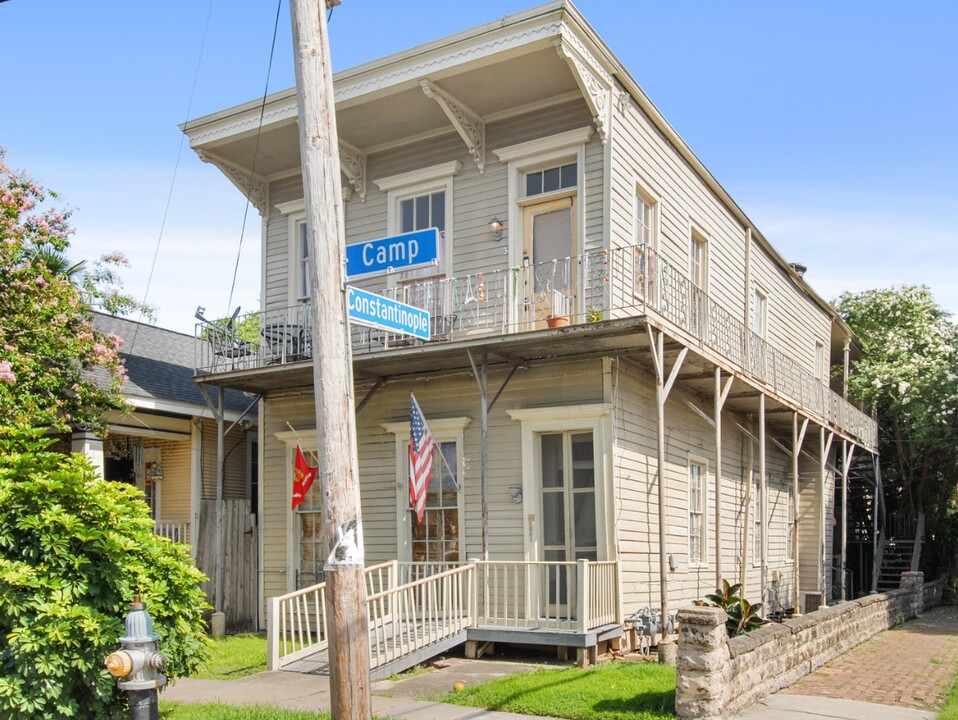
(743, 616)
(73, 551)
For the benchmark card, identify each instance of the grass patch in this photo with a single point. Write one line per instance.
(611, 691)
(234, 656)
(950, 711)
(217, 711)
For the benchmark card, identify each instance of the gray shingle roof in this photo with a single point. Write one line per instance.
(159, 363)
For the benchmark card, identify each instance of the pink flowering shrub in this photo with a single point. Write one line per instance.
(49, 351)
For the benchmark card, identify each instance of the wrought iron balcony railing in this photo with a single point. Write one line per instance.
(592, 287)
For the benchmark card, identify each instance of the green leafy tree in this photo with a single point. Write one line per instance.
(48, 348)
(909, 376)
(73, 551)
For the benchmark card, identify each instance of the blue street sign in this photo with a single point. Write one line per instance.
(399, 252)
(366, 308)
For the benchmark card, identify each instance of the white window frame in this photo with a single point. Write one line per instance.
(443, 430)
(535, 155)
(790, 524)
(424, 181)
(760, 311)
(295, 212)
(820, 365)
(307, 441)
(597, 419)
(699, 240)
(701, 512)
(759, 508)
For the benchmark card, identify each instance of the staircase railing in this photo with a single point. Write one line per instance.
(413, 605)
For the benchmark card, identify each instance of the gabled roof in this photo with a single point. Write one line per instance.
(159, 366)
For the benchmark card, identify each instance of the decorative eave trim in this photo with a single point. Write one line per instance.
(423, 175)
(292, 207)
(255, 187)
(467, 122)
(595, 83)
(561, 412)
(438, 426)
(540, 146)
(352, 162)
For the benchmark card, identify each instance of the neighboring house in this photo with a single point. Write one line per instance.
(622, 314)
(167, 445)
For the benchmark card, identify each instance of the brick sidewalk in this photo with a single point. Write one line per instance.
(911, 665)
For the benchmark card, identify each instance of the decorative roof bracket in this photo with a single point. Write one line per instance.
(254, 187)
(595, 83)
(469, 125)
(352, 161)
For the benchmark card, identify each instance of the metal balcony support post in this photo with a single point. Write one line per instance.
(763, 498)
(848, 452)
(662, 388)
(721, 395)
(825, 447)
(798, 438)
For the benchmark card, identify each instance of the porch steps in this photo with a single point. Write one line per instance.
(896, 559)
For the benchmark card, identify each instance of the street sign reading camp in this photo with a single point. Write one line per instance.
(366, 308)
(399, 252)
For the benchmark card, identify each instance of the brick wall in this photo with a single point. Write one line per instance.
(718, 676)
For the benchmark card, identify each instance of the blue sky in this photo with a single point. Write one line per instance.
(832, 124)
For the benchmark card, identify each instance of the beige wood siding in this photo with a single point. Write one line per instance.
(235, 466)
(455, 396)
(636, 497)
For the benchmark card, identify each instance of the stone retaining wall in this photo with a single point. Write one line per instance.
(718, 676)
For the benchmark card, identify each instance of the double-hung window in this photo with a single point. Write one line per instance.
(421, 212)
(697, 498)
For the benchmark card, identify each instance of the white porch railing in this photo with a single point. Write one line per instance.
(598, 285)
(410, 606)
(175, 530)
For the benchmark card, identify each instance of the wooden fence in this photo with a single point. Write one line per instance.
(239, 558)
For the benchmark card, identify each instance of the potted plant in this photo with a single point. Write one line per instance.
(556, 321)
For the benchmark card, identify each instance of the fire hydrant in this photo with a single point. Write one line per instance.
(139, 663)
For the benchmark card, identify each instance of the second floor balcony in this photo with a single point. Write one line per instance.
(550, 298)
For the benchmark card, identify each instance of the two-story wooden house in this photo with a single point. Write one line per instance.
(628, 385)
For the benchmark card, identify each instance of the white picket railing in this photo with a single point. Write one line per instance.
(413, 605)
(175, 530)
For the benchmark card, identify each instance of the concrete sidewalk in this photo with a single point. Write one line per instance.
(391, 698)
(900, 674)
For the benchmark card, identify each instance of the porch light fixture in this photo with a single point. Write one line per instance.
(496, 225)
(516, 493)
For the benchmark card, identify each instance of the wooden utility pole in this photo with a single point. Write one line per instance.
(332, 366)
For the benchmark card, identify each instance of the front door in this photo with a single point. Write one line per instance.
(567, 487)
(548, 271)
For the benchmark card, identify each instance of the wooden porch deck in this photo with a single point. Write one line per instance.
(417, 611)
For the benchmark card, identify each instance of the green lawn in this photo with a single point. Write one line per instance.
(234, 656)
(216, 711)
(611, 691)
(950, 711)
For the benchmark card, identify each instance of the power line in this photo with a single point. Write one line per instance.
(176, 167)
(252, 169)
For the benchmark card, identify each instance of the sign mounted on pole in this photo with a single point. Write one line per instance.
(366, 308)
(399, 252)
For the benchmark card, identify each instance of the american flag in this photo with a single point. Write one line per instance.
(421, 447)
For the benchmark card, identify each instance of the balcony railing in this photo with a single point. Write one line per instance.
(599, 285)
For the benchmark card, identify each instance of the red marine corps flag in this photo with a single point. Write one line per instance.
(303, 476)
(421, 446)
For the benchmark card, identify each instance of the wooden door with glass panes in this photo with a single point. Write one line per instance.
(567, 489)
(435, 540)
(549, 273)
(311, 555)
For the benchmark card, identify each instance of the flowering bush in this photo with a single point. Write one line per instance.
(48, 349)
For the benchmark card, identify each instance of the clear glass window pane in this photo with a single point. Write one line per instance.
(534, 183)
(422, 212)
(550, 180)
(553, 518)
(407, 216)
(551, 461)
(583, 510)
(569, 175)
(438, 219)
